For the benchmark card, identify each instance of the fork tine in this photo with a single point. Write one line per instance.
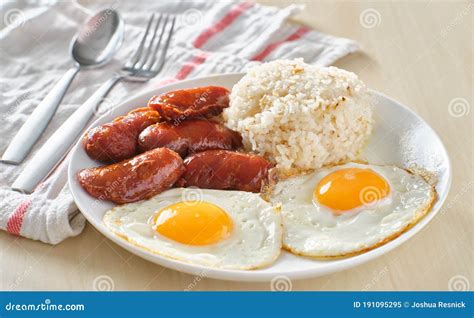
(143, 60)
(133, 61)
(158, 44)
(161, 61)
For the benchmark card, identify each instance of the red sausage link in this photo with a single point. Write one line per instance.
(138, 178)
(190, 136)
(116, 141)
(226, 170)
(190, 103)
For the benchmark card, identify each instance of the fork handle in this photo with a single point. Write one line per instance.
(56, 147)
(37, 122)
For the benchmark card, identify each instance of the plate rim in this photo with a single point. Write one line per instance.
(255, 275)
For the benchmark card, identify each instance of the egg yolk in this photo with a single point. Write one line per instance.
(349, 188)
(193, 223)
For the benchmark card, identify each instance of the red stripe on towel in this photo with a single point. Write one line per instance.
(271, 47)
(220, 25)
(223, 23)
(203, 37)
(188, 67)
(16, 219)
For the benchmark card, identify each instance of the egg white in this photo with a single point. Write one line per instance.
(312, 229)
(254, 242)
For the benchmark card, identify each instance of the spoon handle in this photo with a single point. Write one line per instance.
(39, 119)
(55, 148)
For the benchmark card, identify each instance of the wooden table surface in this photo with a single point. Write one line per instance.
(421, 54)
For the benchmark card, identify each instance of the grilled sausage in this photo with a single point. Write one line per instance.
(190, 103)
(190, 136)
(226, 170)
(117, 141)
(138, 178)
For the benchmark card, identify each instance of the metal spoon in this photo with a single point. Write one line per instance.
(94, 45)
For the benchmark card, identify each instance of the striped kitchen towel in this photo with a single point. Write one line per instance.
(210, 37)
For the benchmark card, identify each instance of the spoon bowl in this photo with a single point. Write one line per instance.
(98, 40)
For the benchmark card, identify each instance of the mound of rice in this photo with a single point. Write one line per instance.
(301, 116)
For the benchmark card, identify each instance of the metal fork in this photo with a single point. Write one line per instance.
(141, 67)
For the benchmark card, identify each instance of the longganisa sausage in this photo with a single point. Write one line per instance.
(189, 136)
(183, 104)
(138, 178)
(226, 170)
(117, 141)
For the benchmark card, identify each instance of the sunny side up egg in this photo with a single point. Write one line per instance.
(348, 209)
(224, 229)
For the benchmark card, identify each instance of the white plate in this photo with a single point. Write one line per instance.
(400, 138)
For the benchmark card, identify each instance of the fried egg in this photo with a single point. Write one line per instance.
(348, 209)
(224, 229)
